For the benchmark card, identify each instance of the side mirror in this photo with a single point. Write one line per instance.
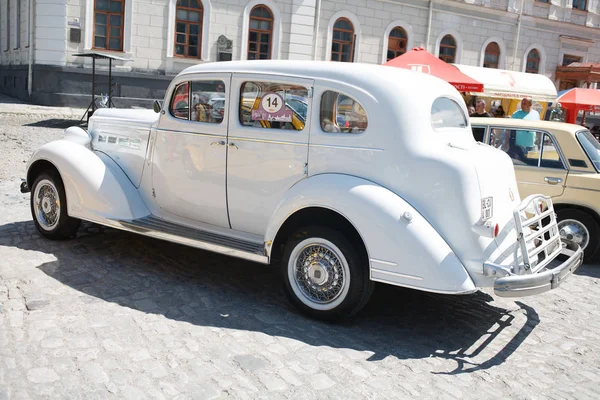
(156, 106)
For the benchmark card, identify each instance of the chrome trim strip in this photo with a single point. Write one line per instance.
(244, 139)
(211, 135)
(392, 264)
(581, 188)
(164, 230)
(380, 271)
(329, 146)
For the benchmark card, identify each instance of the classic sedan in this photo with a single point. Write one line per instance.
(559, 160)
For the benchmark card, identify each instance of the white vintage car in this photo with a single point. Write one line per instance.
(343, 174)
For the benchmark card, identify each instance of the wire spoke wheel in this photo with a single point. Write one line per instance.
(319, 274)
(46, 205)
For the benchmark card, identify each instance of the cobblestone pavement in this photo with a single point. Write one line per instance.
(114, 315)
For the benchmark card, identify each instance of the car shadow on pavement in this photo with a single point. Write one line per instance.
(206, 289)
(59, 123)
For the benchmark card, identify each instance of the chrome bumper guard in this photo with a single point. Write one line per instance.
(544, 280)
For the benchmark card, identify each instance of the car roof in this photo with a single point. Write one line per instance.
(557, 128)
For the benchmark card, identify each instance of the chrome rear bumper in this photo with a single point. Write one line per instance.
(544, 280)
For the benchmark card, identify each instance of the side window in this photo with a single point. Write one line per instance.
(523, 146)
(446, 113)
(341, 113)
(273, 105)
(208, 101)
(550, 154)
(179, 107)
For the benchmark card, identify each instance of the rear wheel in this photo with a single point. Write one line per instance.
(324, 275)
(49, 207)
(581, 228)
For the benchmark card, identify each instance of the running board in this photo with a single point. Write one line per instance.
(161, 229)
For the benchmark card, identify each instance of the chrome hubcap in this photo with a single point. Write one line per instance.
(319, 273)
(47, 205)
(574, 231)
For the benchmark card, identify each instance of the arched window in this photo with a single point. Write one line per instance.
(448, 49)
(260, 33)
(342, 45)
(491, 57)
(533, 62)
(396, 43)
(109, 20)
(188, 28)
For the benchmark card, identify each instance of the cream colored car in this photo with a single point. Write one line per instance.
(556, 159)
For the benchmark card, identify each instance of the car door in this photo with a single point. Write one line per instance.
(189, 158)
(539, 165)
(267, 145)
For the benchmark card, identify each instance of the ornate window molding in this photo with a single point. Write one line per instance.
(89, 26)
(204, 54)
(386, 37)
(275, 40)
(542, 54)
(356, 25)
(501, 57)
(457, 39)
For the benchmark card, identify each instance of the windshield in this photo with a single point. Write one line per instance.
(590, 146)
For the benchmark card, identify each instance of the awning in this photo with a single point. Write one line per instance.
(506, 84)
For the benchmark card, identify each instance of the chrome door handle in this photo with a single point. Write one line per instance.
(232, 145)
(219, 143)
(552, 180)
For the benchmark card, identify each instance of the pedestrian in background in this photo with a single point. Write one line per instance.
(480, 109)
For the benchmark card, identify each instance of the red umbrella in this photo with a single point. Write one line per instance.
(579, 99)
(418, 59)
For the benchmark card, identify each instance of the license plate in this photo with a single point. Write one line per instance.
(487, 208)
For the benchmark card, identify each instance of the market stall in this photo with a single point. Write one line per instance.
(507, 88)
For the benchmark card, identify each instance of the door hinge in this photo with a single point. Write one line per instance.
(153, 193)
(306, 169)
(310, 92)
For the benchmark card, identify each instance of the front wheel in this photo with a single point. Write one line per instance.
(324, 275)
(49, 207)
(581, 228)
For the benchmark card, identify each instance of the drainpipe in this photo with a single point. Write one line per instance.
(316, 29)
(30, 50)
(519, 18)
(429, 26)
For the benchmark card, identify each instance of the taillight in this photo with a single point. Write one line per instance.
(496, 230)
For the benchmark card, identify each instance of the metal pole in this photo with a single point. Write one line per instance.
(93, 84)
(109, 82)
(519, 18)
(429, 18)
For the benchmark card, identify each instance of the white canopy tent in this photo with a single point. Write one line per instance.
(500, 83)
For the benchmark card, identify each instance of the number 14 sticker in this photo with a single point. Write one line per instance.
(272, 102)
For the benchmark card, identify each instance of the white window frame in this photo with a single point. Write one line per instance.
(89, 27)
(501, 45)
(275, 40)
(457, 38)
(204, 53)
(386, 37)
(541, 51)
(352, 18)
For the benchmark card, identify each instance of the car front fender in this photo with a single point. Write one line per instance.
(404, 249)
(95, 186)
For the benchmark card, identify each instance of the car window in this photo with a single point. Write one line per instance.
(273, 105)
(590, 146)
(341, 113)
(208, 101)
(550, 157)
(478, 132)
(179, 107)
(446, 113)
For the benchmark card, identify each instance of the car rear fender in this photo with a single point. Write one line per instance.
(402, 246)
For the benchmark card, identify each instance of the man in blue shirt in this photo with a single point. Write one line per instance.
(526, 139)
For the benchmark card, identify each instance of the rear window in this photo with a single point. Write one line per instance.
(341, 113)
(446, 113)
(590, 146)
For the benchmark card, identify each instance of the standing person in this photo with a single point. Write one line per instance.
(480, 109)
(526, 112)
(526, 139)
